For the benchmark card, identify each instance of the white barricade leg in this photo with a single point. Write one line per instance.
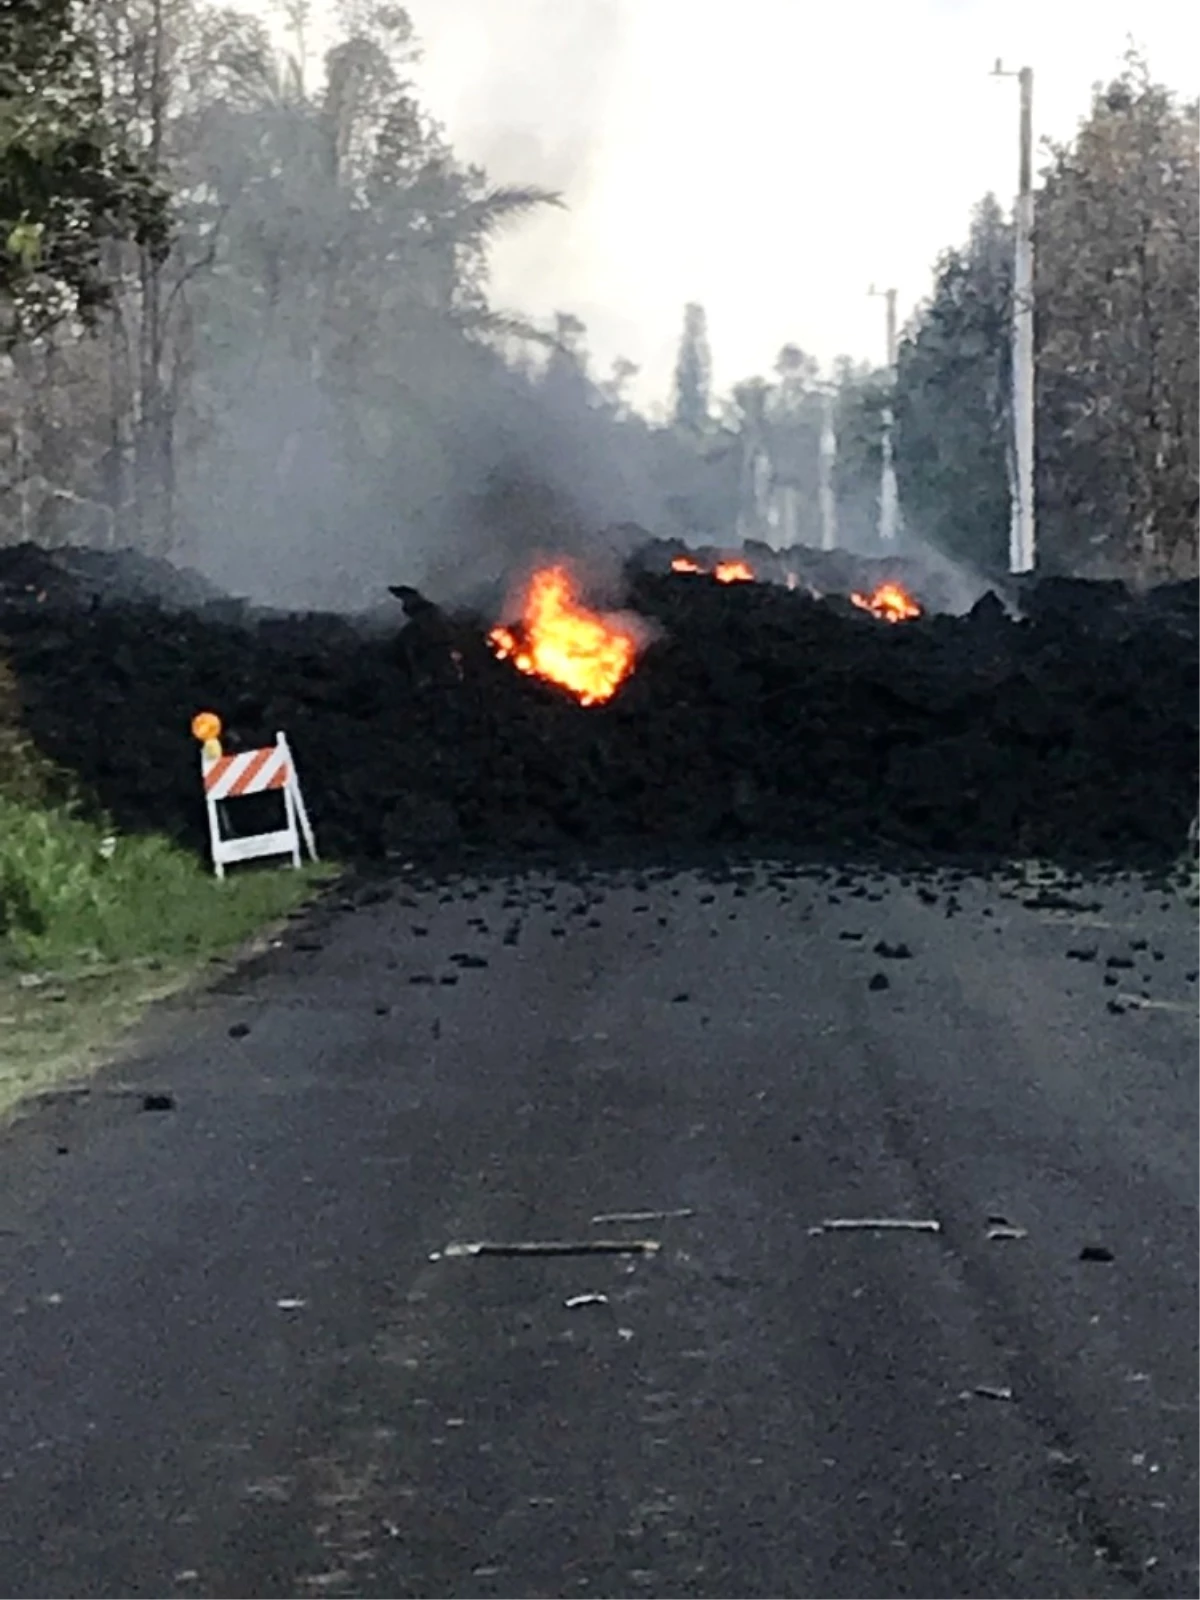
(302, 816)
(289, 805)
(214, 837)
(301, 810)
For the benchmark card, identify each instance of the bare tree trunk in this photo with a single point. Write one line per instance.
(153, 449)
(119, 430)
(114, 454)
(27, 442)
(1147, 444)
(24, 503)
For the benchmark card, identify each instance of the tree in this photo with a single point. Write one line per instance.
(614, 389)
(67, 185)
(693, 373)
(565, 379)
(862, 396)
(952, 411)
(750, 400)
(298, 365)
(793, 419)
(1118, 239)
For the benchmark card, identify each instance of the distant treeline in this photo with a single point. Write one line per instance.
(247, 324)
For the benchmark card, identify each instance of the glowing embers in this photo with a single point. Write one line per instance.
(889, 602)
(723, 571)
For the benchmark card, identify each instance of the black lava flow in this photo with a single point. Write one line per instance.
(758, 716)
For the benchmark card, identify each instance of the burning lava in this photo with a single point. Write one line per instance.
(723, 572)
(589, 653)
(889, 602)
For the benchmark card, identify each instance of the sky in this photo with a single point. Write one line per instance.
(771, 159)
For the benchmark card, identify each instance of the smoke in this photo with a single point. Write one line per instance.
(436, 462)
(480, 468)
(958, 585)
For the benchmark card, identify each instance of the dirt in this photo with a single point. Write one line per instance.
(759, 715)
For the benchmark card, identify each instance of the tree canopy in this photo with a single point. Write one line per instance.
(1117, 331)
(68, 182)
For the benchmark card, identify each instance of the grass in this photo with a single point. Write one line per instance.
(62, 1027)
(73, 894)
(96, 926)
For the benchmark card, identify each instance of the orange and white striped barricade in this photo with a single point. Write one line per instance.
(228, 777)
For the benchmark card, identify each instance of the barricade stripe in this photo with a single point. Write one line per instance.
(247, 772)
(231, 768)
(214, 773)
(244, 781)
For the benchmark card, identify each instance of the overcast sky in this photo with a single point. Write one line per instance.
(768, 158)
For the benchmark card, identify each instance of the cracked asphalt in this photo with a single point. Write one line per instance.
(239, 1359)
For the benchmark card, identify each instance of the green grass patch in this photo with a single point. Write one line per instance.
(57, 1028)
(73, 894)
(95, 926)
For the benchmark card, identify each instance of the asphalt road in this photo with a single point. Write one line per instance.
(239, 1359)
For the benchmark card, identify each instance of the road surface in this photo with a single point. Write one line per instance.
(240, 1359)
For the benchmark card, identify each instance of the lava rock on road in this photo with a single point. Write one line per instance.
(759, 715)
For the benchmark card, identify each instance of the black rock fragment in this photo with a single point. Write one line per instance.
(893, 952)
(1096, 1252)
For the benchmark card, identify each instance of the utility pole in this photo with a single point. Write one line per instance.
(756, 464)
(825, 467)
(889, 499)
(1021, 540)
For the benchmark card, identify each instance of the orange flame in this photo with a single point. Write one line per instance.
(723, 572)
(889, 602)
(586, 652)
